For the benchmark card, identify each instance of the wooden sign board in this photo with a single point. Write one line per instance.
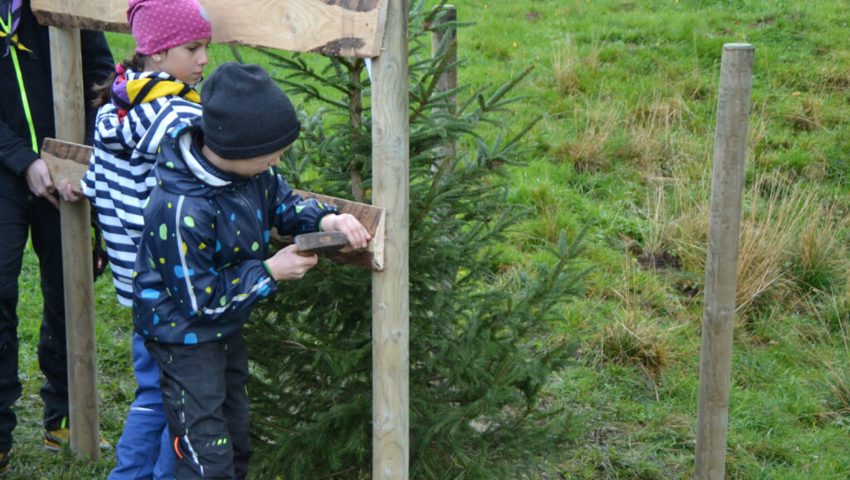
(351, 28)
(373, 218)
(66, 161)
(69, 161)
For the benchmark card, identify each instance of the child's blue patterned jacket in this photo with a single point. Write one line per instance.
(200, 266)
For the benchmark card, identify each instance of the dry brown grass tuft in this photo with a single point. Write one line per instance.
(807, 116)
(838, 377)
(564, 65)
(656, 131)
(637, 343)
(838, 383)
(657, 233)
(819, 254)
(632, 340)
(835, 77)
(775, 215)
(662, 113)
(567, 63)
(757, 133)
(587, 152)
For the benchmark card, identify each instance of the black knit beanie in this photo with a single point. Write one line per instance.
(245, 113)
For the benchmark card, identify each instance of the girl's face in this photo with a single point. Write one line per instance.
(184, 62)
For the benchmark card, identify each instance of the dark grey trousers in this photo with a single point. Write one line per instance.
(206, 403)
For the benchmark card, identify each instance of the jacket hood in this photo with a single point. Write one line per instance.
(181, 168)
(131, 88)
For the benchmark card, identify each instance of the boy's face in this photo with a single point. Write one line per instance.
(184, 62)
(248, 167)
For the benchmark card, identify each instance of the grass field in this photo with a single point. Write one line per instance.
(627, 94)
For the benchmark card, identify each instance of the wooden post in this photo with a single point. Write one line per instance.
(448, 80)
(69, 111)
(390, 288)
(730, 146)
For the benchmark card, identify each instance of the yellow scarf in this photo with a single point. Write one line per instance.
(147, 89)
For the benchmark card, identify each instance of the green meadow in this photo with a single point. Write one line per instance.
(626, 93)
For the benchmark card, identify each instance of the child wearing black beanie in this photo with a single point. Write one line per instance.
(245, 113)
(204, 260)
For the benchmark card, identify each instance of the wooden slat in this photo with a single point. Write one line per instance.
(62, 169)
(371, 217)
(391, 287)
(351, 28)
(56, 154)
(75, 222)
(68, 161)
(104, 15)
(67, 150)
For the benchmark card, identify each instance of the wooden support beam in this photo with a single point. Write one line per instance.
(75, 221)
(447, 39)
(390, 288)
(352, 28)
(727, 183)
(69, 161)
(448, 80)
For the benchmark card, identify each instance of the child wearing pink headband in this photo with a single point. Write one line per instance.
(144, 100)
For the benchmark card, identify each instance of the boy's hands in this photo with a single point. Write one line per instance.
(358, 236)
(288, 264)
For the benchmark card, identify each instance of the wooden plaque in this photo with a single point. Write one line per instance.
(351, 28)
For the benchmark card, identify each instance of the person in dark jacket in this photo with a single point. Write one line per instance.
(204, 260)
(28, 205)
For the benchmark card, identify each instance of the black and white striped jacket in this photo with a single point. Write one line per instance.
(120, 174)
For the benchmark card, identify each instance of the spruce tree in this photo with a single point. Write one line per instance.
(481, 351)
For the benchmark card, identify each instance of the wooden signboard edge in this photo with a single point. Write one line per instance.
(69, 20)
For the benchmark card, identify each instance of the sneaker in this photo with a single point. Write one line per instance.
(55, 439)
(4, 463)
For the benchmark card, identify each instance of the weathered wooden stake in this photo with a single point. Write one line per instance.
(69, 111)
(390, 288)
(448, 80)
(730, 146)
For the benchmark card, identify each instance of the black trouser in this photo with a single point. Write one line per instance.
(21, 214)
(203, 392)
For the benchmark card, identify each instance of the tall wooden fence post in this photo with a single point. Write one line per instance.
(69, 111)
(390, 288)
(448, 80)
(730, 147)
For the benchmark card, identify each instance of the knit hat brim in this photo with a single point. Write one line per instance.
(244, 152)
